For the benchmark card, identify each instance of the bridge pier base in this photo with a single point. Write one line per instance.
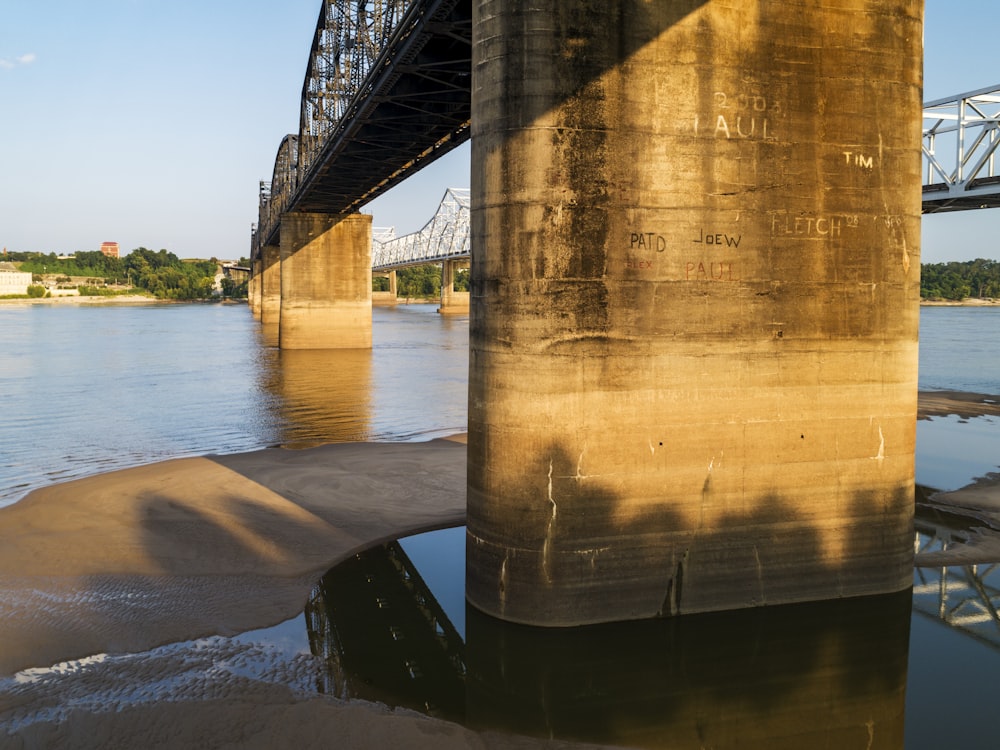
(326, 288)
(452, 302)
(694, 324)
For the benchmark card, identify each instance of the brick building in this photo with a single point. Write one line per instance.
(110, 249)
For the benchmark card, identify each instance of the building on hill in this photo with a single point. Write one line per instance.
(13, 281)
(110, 249)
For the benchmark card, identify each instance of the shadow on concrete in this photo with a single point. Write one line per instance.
(565, 564)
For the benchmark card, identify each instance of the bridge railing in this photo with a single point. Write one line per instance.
(445, 236)
(960, 139)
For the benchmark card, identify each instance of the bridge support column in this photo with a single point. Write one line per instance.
(452, 302)
(326, 287)
(270, 292)
(253, 288)
(695, 300)
(387, 297)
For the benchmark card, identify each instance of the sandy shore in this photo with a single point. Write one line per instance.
(181, 552)
(148, 567)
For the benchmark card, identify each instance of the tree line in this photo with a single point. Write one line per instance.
(160, 273)
(960, 279)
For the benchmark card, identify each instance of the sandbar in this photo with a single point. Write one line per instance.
(99, 574)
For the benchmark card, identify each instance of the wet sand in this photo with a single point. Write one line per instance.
(136, 565)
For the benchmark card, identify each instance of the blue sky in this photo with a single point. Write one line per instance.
(151, 124)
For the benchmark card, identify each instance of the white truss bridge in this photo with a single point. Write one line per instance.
(444, 237)
(960, 138)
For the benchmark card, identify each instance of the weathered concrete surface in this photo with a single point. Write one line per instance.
(254, 288)
(694, 312)
(326, 288)
(270, 289)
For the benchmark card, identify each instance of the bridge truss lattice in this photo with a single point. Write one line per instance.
(964, 597)
(960, 138)
(386, 92)
(444, 237)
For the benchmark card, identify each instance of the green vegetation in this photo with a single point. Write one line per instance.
(958, 280)
(231, 288)
(421, 281)
(35, 291)
(161, 273)
(105, 291)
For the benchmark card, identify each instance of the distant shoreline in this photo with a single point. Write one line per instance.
(967, 302)
(124, 299)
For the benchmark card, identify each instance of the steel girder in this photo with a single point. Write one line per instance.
(960, 139)
(386, 91)
(444, 237)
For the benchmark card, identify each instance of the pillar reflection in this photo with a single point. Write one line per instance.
(322, 395)
(825, 674)
(829, 674)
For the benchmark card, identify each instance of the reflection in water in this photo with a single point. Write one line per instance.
(410, 386)
(322, 396)
(384, 637)
(829, 674)
(964, 597)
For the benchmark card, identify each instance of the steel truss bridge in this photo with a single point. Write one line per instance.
(386, 92)
(444, 237)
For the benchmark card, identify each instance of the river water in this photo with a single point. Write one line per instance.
(87, 389)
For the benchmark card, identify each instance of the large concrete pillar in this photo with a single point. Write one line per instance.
(254, 288)
(693, 343)
(326, 288)
(270, 292)
(452, 302)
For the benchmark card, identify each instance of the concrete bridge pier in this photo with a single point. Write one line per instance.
(253, 288)
(326, 289)
(452, 302)
(270, 292)
(693, 330)
(389, 297)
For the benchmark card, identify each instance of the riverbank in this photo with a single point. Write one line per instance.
(123, 299)
(76, 299)
(967, 302)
